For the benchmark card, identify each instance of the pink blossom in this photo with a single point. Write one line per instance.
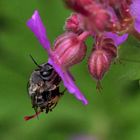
(37, 27)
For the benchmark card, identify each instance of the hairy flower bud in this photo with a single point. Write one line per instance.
(79, 5)
(99, 19)
(101, 57)
(96, 17)
(98, 64)
(108, 45)
(122, 12)
(70, 48)
(74, 23)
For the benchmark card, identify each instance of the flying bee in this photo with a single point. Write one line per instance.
(43, 88)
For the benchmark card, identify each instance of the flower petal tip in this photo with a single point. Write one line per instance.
(36, 13)
(34, 17)
(85, 102)
(35, 24)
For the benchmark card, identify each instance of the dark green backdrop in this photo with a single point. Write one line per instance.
(112, 115)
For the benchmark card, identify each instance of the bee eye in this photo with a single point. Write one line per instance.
(45, 73)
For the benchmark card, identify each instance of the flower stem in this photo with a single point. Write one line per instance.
(83, 36)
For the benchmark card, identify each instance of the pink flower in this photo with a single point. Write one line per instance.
(70, 49)
(103, 54)
(37, 27)
(98, 64)
(95, 16)
(115, 16)
(108, 22)
(135, 12)
(75, 23)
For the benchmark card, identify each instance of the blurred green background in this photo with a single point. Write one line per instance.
(112, 115)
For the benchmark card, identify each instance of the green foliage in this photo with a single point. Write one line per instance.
(112, 115)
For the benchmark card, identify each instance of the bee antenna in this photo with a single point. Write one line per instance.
(34, 60)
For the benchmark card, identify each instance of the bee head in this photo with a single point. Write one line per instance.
(45, 71)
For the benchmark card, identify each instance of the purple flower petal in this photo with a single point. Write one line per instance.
(117, 39)
(68, 81)
(137, 26)
(135, 12)
(37, 27)
(135, 9)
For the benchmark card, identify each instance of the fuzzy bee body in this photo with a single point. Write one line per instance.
(43, 88)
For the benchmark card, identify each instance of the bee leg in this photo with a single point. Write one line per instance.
(33, 101)
(34, 105)
(36, 111)
(48, 107)
(54, 105)
(62, 93)
(47, 110)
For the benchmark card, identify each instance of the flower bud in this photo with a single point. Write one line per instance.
(99, 19)
(96, 17)
(70, 49)
(98, 64)
(101, 57)
(79, 5)
(74, 23)
(108, 45)
(122, 11)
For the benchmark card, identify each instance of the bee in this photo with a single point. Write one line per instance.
(43, 88)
